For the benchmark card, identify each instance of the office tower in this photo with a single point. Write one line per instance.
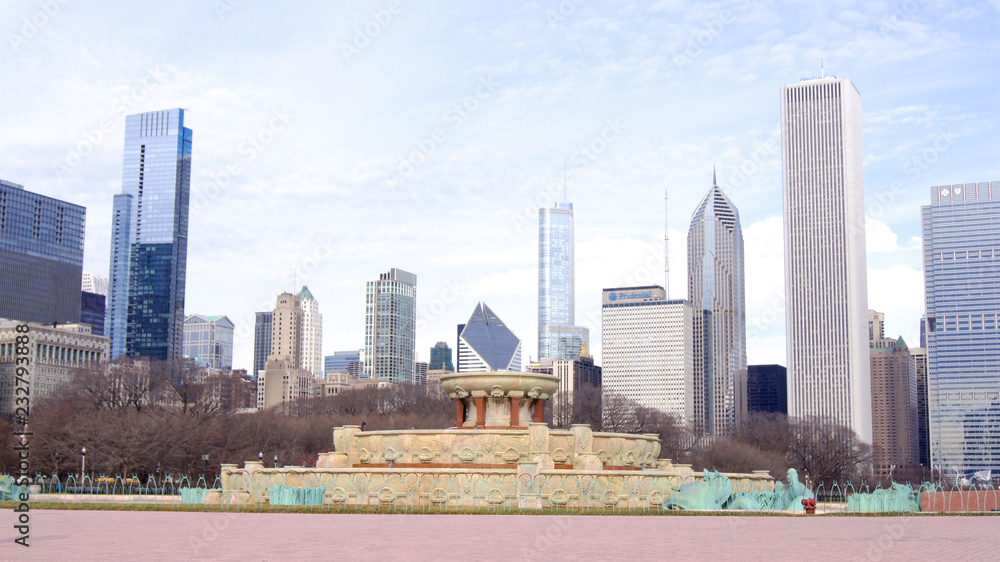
(826, 294)
(390, 327)
(574, 375)
(312, 334)
(263, 323)
(923, 431)
(348, 361)
(284, 380)
(558, 337)
(420, 373)
(57, 355)
(894, 400)
(647, 350)
(209, 340)
(92, 312)
(486, 344)
(41, 256)
(767, 390)
(149, 228)
(716, 292)
(962, 291)
(441, 357)
(95, 283)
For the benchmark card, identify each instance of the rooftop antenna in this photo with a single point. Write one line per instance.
(565, 172)
(666, 244)
(822, 72)
(293, 281)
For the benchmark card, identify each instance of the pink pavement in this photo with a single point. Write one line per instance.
(122, 535)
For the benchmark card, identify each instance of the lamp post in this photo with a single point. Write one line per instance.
(260, 457)
(275, 461)
(205, 458)
(83, 463)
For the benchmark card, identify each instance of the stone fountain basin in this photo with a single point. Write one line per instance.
(500, 383)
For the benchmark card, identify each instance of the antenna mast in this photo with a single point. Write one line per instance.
(666, 244)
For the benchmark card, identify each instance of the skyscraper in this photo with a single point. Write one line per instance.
(441, 357)
(826, 292)
(558, 337)
(767, 389)
(716, 292)
(312, 334)
(149, 228)
(390, 326)
(894, 400)
(485, 343)
(647, 351)
(209, 340)
(962, 290)
(284, 380)
(41, 256)
(261, 342)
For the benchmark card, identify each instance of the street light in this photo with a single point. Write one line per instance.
(83, 463)
(275, 461)
(205, 458)
(260, 457)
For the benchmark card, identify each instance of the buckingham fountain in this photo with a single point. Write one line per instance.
(500, 454)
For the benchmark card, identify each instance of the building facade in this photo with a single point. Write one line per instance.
(284, 380)
(95, 283)
(420, 373)
(558, 336)
(209, 341)
(647, 349)
(574, 374)
(149, 229)
(826, 292)
(894, 400)
(41, 256)
(923, 430)
(312, 334)
(961, 244)
(717, 295)
(263, 325)
(441, 357)
(56, 354)
(93, 311)
(767, 390)
(390, 327)
(348, 361)
(485, 343)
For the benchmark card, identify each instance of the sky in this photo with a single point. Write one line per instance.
(335, 140)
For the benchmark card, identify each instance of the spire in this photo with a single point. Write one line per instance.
(714, 184)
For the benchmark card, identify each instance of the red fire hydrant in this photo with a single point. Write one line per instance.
(810, 506)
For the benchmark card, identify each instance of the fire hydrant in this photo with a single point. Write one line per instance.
(810, 506)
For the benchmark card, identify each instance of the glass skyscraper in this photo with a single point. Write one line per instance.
(558, 337)
(716, 291)
(41, 256)
(390, 327)
(485, 343)
(961, 242)
(149, 231)
(209, 340)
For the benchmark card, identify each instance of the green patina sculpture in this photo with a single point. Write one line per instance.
(785, 497)
(8, 490)
(900, 498)
(712, 492)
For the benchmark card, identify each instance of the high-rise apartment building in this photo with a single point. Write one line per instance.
(420, 373)
(312, 334)
(716, 292)
(767, 389)
(558, 337)
(826, 293)
(647, 350)
(485, 343)
(149, 228)
(209, 341)
(961, 243)
(284, 380)
(41, 256)
(894, 400)
(390, 327)
(441, 357)
(263, 322)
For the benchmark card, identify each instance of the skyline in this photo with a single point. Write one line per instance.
(619, 94)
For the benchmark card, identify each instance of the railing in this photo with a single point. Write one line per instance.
(500, 492)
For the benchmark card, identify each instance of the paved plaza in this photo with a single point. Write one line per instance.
(121, 535)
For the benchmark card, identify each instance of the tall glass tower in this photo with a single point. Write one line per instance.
(716, 291)
(390, 327)
(149, 228)
(962, 289)
(826, 284)
(558, 337)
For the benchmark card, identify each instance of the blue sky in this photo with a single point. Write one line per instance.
(302, 113)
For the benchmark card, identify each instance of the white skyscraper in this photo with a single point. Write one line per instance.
(646, 345)
(312, 334)
(826, 292)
